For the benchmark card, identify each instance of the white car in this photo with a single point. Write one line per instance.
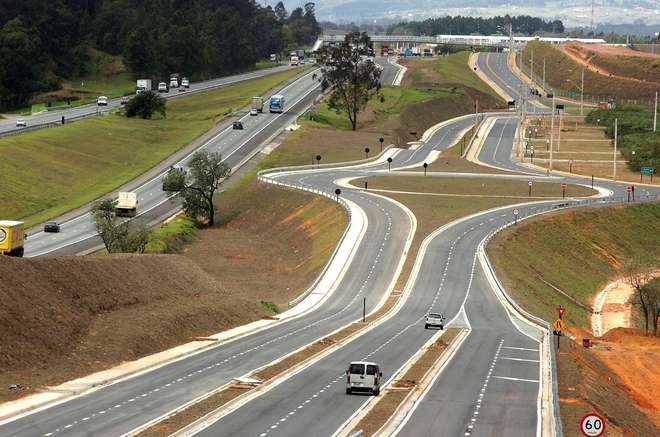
(363, 376)
(162, 88)
(185, 82)
(20, 122)
(434, 320)
(102, 101)
(254, 111)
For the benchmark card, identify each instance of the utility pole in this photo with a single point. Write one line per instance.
(531, 65)
(616, 138)
(544, 74)
(552, 133)
(582, 95)
(655, 113)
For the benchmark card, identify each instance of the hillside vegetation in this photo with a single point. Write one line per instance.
(44, 42)
(564, 74)
(577, 251)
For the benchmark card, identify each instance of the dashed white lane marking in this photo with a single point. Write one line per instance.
(516, 379)
(518, 359)
(469, 428)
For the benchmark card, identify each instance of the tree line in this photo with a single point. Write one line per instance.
(43, 42)
(459, 25)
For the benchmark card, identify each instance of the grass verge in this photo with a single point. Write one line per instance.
(49, 172)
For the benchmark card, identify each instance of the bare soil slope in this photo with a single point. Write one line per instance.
(121, 308)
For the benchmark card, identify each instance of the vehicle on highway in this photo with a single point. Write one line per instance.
(273, 57)
(363, 376)
(302, 62)
(51, 227)
(124, 100)
(102, 101)
(434, 320)
(174, 80)
(258, 103)
(294, 61)
(12, 238)
(20, 122)
(276, 103)
(182, 89)
(126, 204)
(170, 184)
(238, 125)
(142, 85)
(253, 111)
(162, 88)
(185, 82)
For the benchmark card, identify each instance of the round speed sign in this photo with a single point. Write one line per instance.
(592, 425)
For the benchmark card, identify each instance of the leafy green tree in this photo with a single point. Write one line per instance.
(352, 78)
(118, 236)
(206, 173)
(145, 105)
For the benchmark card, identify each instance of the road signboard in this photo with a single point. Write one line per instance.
(629, 189)
(560, 311)
(647, 170)
(592, 425)
(515, 211)
(564, 185)
(558, 325)
(529, 183)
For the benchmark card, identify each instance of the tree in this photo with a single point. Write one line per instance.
(206, 173)
(145, 105)
(353, 79)
(647, 294)
(118, 236)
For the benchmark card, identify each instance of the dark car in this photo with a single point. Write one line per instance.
(51, 227)
(238, 125)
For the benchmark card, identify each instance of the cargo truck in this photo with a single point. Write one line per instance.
(12, 238)
(258, 104)
(126, 204)
(143, 85)
(294, 61)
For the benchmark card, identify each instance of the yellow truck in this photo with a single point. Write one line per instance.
(12, 238)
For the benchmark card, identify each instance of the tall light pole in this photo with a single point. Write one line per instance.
(655, 113)
(582, 95)
(544, 73)
(552, 133)
(616, 139)
(531, 65)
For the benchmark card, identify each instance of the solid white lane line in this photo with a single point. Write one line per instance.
(508, 378)
(521, 348)
(518, 359)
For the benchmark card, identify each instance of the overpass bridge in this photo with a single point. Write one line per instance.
(498, 41)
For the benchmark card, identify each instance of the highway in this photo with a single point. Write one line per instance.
(495, 373)
(54, 117)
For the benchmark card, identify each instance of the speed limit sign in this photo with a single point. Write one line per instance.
(592, 425)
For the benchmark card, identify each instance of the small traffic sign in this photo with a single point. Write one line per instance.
(628, 189)
(515, 211)
(564, 185)
(558, 325)
(592, 425)
(529, 183)
(647, 170)
(560, 311)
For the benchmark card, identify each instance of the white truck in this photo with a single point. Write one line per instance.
(126, 204)
(174, 80)
(142, 85)
(185, 82)
(102, 101)
(273, 57)
(294, 61)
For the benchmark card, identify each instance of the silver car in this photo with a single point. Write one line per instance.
(434, 320)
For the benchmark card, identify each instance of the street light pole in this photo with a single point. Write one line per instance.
(616, 139)
(544, 74)
(582, 95)
(655, 113)
(552, 133)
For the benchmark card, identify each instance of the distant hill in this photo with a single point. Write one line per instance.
(572, 13)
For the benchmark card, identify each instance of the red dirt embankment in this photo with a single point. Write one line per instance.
(121, 308)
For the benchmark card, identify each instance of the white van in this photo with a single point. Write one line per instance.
(363, 376)
(102, 101)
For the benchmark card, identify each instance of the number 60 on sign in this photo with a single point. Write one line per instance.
(592, 425)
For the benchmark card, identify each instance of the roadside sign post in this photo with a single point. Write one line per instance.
(515, 215)
(558, 326)
(592, 425)
(365, 186)
(564, 185)
(649, 171)
(425, 166)
(318, 160)
(366, 152)
(389, 164)
(337, 193)
(381, 143)
(364, 309)
(628, 190)
(560, 311)
(592, 182)
(529, 186)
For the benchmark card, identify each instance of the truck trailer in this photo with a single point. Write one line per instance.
(12, 238)
(126, 204)
(258, 104)
(142, 85)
